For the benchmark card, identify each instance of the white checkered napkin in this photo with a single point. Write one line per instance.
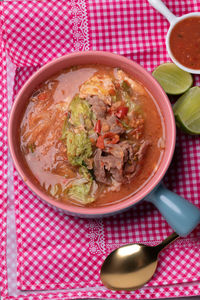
(56, 251)
(131, 26)
(3, 165)
(37, 31)
(45, 252)
(141, 224)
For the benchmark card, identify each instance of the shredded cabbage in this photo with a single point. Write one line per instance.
(82, 192)
(79, 147)
(81, 113)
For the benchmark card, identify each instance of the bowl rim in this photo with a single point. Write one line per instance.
(109, 209)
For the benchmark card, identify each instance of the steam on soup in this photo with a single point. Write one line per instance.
(92, 135)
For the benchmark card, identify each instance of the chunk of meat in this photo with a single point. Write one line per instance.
(113, 165)
(129, 150)
(98, 106)
(116, 150)
(99, 170)
(135, 160)
(126, 152)
(129, 169)
(114, 125)
(110, 123)
(119, 162)
(143, 148)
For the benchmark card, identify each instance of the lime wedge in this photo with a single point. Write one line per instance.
(173, 80)
(187, 111)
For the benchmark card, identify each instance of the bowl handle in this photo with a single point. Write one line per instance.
(180, 214)
(160, 6)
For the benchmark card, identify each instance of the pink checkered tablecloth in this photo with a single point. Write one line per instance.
(56, 251)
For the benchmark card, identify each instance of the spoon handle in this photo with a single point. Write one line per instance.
(167, 241)
(160, 6)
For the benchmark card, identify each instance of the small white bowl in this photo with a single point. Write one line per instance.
(173, 20)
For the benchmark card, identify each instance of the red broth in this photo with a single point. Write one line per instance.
(44, 150)
(185, 42)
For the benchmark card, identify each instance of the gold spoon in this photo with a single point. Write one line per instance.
(131, 266)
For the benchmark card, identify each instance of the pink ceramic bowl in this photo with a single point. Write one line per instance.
(92, 57)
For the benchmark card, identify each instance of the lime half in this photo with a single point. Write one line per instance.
(173, 80)
(187, 111)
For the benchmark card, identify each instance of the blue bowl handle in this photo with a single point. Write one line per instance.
(180, 214)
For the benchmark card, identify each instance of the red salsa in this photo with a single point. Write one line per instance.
(185, 42)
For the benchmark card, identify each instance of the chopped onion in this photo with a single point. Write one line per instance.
(115, 187)
(129, 130)
(81, 119)
(79, 181)
(94, 188)
(93, 136)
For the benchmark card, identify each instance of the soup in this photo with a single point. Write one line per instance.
(92, 135)
(185, 42)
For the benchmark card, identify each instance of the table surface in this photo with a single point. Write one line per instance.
(181, 298)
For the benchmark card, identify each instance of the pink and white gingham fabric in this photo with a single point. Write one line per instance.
(56, 251)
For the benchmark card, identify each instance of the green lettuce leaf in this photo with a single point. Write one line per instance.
(80, 189)
(79, 147)
(81, 113)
